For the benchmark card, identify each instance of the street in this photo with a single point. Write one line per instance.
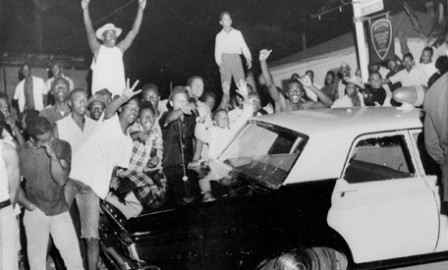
(431, 266)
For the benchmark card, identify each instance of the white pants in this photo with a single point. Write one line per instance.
(39, 227)
(8, 239)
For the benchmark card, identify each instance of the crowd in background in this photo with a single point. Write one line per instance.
(64, 147)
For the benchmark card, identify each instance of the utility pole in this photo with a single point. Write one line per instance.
(363, 57)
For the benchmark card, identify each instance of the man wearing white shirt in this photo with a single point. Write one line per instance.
(31, 92)
(426, 63)
(410, 75)
(229, 45)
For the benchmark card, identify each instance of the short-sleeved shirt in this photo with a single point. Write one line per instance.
(106, 148)
(53, 115)
(174, 135)
(40, 187)
(414, 77)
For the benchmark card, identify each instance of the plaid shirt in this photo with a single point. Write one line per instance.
(149, 184)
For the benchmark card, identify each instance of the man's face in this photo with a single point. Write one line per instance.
(129, 112)
(295, 92)
(179, 100)
(44, 139)
(210, 102)
(374, 68)
(408, 63)
(226, 20)
(109, 38)
(351, 89)
(60, 91)
(152, 96)
(78, 102)
(26, 71)
(146, 119)
(197, 88)
(375, 80)
(222, 119)
(56, 70)
(392, 64)
(4, 106)
(426, 57)
(96, 109)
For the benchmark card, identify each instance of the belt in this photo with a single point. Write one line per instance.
(5, 203)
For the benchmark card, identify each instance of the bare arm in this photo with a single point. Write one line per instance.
(91, 37)
(23, 200)
(127, 41)
(125, 96)
(279, 101)
(59, 168)
(11, 159)
(323, 98)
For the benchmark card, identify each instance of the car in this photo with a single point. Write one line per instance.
(336, 188)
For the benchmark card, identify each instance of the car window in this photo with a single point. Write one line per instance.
(379, 158)
(264, 153)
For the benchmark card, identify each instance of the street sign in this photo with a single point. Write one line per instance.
(370, 6)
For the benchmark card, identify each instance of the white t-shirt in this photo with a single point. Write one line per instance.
(95, 160)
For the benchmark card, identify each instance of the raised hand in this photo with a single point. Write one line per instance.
(85, 4)
(305, 80)
(264, 54)
(128, 92)
(242, 88)
(142, 4)
(226, 88)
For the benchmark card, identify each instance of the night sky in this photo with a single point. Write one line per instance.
(177, 37)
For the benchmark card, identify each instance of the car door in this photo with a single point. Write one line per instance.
(382, 205)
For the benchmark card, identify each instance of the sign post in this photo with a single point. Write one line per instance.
(362, 8)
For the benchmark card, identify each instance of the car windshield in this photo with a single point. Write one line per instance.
(264, 153)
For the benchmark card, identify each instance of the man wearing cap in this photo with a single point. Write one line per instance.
(353, 98)
(107, 65)
(98, 103)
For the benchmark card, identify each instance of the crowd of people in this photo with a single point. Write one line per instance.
(63, 146)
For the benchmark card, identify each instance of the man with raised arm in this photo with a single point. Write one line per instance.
(107, 65)
(294, 96)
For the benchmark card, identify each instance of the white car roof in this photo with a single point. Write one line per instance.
(331, 133)
(353, 120)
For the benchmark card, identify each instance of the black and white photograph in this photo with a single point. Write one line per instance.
(223, 134)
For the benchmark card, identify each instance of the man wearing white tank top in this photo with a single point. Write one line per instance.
(107, 65)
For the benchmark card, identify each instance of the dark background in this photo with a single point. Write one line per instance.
(177, 37)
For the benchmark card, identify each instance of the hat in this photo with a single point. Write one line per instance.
(107, 27)
(355, 80)
(97, 98)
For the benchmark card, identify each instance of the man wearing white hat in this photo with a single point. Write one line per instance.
(352, 98)
(107, 65)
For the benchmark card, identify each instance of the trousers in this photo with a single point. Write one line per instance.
(231, 66)
(39, 227)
